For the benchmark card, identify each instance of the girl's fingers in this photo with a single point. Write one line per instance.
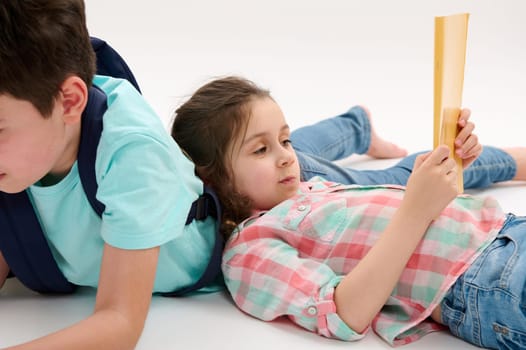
(439, 154)
(470, 148)
(464, 134)
(464, 116)
(449, 166)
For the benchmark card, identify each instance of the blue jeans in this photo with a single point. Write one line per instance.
(486, 306)
(318, 145)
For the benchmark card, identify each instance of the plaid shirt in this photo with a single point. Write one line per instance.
(287, 261)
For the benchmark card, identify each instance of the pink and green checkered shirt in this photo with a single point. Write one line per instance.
(287, 261)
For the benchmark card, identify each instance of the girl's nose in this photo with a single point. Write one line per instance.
(286, 157)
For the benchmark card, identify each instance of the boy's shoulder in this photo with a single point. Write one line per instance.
(127, 117)
(112, 86)
(110, 62)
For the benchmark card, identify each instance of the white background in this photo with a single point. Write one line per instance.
(318, 58)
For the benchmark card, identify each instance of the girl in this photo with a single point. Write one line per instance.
(338, 259)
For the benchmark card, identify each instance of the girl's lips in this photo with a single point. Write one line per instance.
(287, 180)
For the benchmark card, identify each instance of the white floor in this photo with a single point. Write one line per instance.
(318, 59)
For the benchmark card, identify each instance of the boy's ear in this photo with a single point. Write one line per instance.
(74, 97)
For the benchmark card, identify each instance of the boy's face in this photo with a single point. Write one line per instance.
(31, 146)
(264, 164)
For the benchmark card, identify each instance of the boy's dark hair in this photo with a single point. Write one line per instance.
(205, 126)
(43, 42)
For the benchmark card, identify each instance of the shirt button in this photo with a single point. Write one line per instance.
(302, 208)
(496, 328)
(311, 310)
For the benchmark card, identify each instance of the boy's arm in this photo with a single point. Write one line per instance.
(123, 299)
(363, 292)
(4, 270)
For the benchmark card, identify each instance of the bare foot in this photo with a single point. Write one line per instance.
(380, 148)
(519, 155)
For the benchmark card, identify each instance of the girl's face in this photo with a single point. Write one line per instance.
(264, 165)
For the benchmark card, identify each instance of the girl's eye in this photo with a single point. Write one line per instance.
(261, 150)
(286, 142)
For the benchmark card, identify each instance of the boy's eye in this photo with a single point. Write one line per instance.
(286, 142)
(260, 150)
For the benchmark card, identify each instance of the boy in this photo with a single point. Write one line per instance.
(145, 183)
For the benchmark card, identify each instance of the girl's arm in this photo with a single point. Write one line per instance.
(362, 293)
(4, 270)
(123, 298)
(269, 278)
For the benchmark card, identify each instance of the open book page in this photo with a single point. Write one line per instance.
(450, 56)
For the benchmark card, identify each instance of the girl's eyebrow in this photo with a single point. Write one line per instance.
(259, 134)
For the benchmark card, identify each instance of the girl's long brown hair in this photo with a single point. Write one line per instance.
(205, 126)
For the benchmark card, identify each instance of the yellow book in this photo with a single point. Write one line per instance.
(450, 57)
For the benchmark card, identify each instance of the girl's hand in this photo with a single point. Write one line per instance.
(433, 183)
(467, 145)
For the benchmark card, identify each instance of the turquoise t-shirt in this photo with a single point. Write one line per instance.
(147, 186)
